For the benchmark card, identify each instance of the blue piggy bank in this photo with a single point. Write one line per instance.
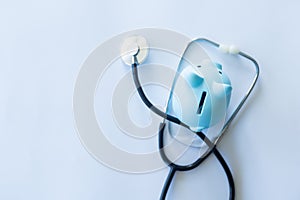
(200, 93)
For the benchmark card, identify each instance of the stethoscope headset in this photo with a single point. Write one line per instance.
(195, 81)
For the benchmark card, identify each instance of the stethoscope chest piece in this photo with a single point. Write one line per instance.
(134, 46)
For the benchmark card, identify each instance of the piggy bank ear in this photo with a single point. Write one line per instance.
(219, 66)
(192, 77)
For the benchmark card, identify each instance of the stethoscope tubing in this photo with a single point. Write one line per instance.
(175, 167)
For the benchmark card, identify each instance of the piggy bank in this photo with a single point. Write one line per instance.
(200, 92)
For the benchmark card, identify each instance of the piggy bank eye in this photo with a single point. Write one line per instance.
(219, 67)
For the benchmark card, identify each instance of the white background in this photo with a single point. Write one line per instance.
(43, 44)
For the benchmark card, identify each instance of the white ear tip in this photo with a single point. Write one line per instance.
(234, 49)
(224, 48)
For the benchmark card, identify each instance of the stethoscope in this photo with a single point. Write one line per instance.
(136, 57)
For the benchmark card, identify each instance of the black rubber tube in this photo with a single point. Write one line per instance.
(174, 167)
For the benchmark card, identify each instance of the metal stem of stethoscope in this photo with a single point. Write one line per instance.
(212, 146)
